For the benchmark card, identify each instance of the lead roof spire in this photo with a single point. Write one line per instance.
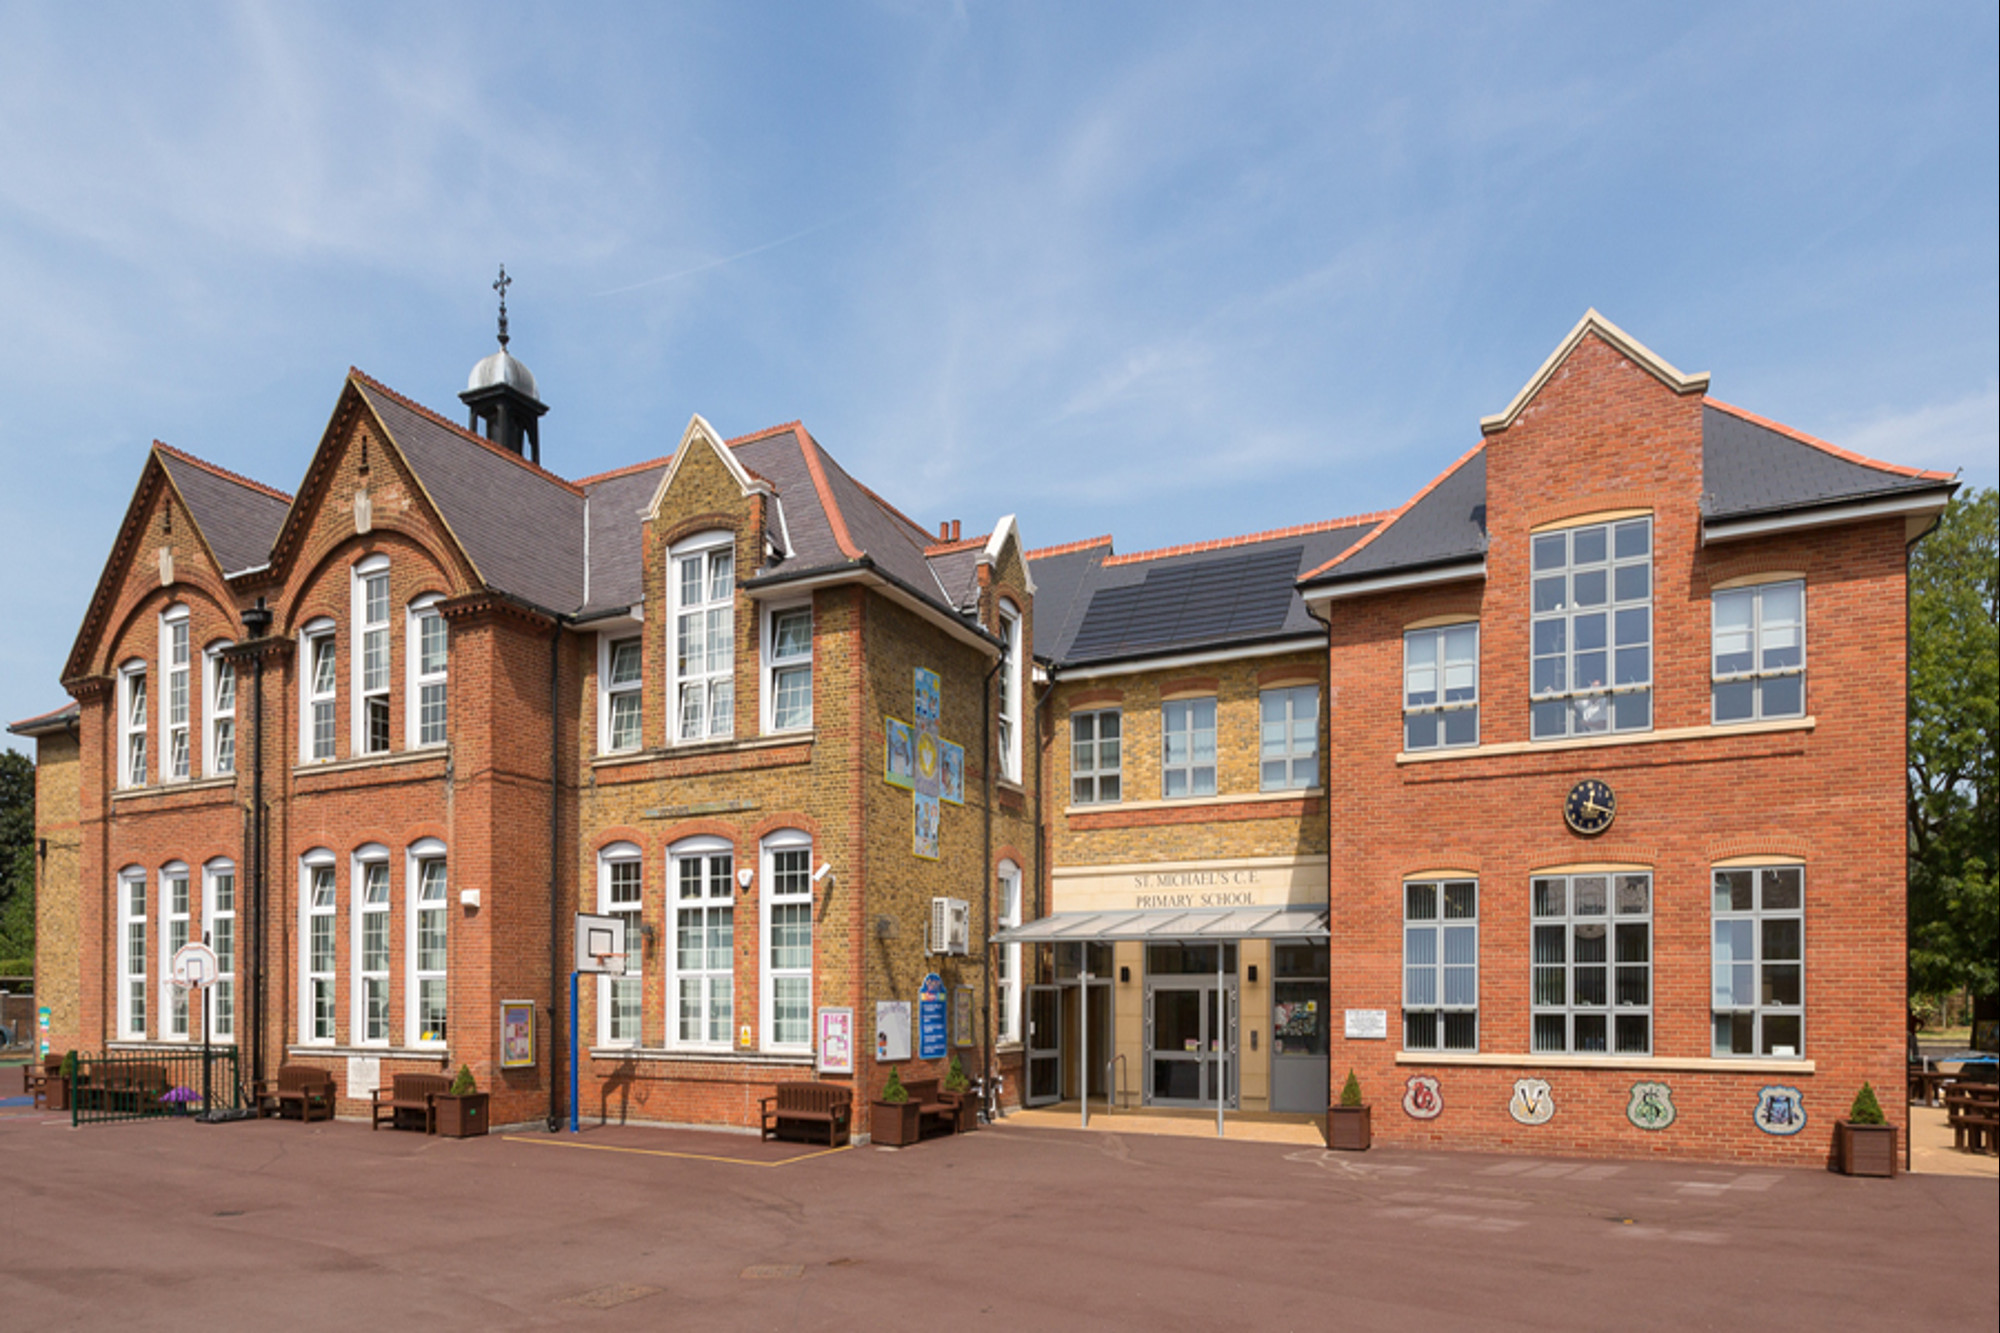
(500, 285)
(500, 394)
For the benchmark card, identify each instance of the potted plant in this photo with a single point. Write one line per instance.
(958, 1091)
(57, 1089)
(1347, 1123)
(462, 1108)
(893, 1117)
(1865, 1142)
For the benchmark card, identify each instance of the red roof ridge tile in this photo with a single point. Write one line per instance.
(1247, 539)
(1834, 449)
(44, 717)
(272, 491)
(816, 469)
(1064, 548)
(1396, 514)
(625, 471)
(461, 431)
(765, 433)
(953, 548)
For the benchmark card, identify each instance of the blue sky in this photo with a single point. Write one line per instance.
(1168, 271)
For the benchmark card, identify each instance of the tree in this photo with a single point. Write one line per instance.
(1954, 696)
(17, 856)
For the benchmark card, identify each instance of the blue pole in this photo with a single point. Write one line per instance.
(572, 1053)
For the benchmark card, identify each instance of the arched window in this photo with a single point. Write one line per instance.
(220, 692)
(318, 904)
(318, 686)
(176, 920)
(1010, 692)
(429, 657)
(701, 637)
(132, 953)
(371, 661)
(174, 671)
(621, 893)
(218, 909)
(427, 1006)
(701, 951)
(369, 876)
(1007, 958)
(785, 886)
(132, 723)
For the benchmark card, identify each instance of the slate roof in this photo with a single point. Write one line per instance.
(1106, 607)
(1442, 524)
(615, 504)
(239, 518)
(1753, 466)
(44, 723)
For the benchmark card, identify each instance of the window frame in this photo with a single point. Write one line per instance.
(1442, 705)
(317, 636)
(367, 696)
(1007, 959)
(786, 843)
(1007, 736)
(775, 669)
(1570, 1008)
(611, 860)
(365, 862)
(1288, 755)
(219, 757)
(421, 611)
(1758, 916)
(715, 684)
(1607, 696)
(416, 859)
(132, 982)
(176, 932)
(316, 867)
(609, 691)
(1437, 926)
(1099, 773)
(177, 682)
(702, 851)
(134, 701)
(219, 930)
(1190, 769)
(1758, 675)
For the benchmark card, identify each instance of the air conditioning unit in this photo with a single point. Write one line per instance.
(951, 926)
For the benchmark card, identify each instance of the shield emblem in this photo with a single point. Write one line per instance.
(1780, 1110)
(1532, 1102)
(1651, 1107)
(1421, 1098)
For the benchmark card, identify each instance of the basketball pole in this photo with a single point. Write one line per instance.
(572, 1051)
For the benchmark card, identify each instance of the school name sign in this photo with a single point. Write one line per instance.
(1264, 882)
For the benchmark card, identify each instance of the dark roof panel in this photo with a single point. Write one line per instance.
(615, 507)
(1446, 523)
(1750, 467)
(240, 520)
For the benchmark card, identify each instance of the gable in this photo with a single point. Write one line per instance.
(1594, 325)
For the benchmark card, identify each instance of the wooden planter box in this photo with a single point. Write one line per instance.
(967, 1104)
(462, 1117)
(1865, 1150)
(1347, 1128)
(893, 1123)
(57, 1092)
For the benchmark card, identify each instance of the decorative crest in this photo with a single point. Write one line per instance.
(500, 285)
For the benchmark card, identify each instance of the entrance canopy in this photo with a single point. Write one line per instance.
(1206, 923)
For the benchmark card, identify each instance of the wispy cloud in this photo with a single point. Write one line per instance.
(1962, 433)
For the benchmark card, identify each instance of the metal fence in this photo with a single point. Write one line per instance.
(146, 1085)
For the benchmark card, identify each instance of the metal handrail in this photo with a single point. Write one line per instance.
(1118, 1084)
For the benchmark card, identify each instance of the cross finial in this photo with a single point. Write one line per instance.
(500, 285)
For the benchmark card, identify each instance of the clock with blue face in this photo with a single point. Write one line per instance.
(1590, 807)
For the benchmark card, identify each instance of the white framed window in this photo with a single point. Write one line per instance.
(132, 724)
(701, 633)
(318, 933)
(1759, 658)
(620, 694)
(429, 653)
(218, 907)
(175, 765)
(1593, 630)
(1593, 964)
(1187, 748)
(369, 878)
(1007, 957)
(220, 690)
(1759, 1004)
(701, 920)
(176, 920)
(788, 668)
(372, 659)
(132, 953)
(786, 884)
(1289, 738)
(1009, 736)
(621, 893)
(1095, 756)
(1441, 687)
(319, 679)
(1441, 965)
(428, 1005)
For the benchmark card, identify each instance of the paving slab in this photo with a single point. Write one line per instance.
(334, 1226)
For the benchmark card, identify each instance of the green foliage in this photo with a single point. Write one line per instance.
(17, 856)
(893, 1092)
(462, 1084)
(1350, 1091)
(1866, 1110)
(954, 1077)
(1954, 777)
(69, 1066)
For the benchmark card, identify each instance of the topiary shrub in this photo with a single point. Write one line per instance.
(954, 1077)
(893, 1092)
(1866, 1110)
(1350, 1091)
(69, 1066)
(462, 1085)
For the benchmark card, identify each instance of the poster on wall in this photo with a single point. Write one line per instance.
(836, 1041)
(951, 772)
(902, 758)
(930, 1018)
(925, 842)
(961, 1016)
(892, 1030)
(1367, 1025)
(517, 1034)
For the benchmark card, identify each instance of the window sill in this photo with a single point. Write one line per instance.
(166, 1043)
(660, 1055)
(1183, 802)
(166, 788)
(1702, 733)
(771, 742)
(1663, 1064)
(367, 761)
(367, 1052)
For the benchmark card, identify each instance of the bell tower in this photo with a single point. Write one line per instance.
(500, 394)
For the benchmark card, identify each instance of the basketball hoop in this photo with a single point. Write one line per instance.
(610, 964)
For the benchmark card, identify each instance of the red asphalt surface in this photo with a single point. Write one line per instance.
(279, 1225)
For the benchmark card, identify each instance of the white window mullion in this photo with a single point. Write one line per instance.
(425, 695)
(702, 641)
(427, 1014)
(176, 920)
(132, 719)
(788, 669)
(218, 905)
(621, 893)
(174, 745)
(132, 967)
(787, 974)
(221, 694)
(372, 656)
(369, 1025)
(701, 981)
(317, 948)
(1007, 957)
(620, 694)
(319, 682)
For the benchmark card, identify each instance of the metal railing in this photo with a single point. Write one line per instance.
(112, 1086)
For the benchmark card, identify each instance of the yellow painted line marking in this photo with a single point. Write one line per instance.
(662, 1152)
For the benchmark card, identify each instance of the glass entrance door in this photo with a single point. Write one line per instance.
(1190, 1026)
(1044, 1072)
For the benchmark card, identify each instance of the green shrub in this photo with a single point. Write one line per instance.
(1866, 1110)
(893, 1092)
(69, 1066)
(954, 1077)
(463, 1085)
(1350, 1091)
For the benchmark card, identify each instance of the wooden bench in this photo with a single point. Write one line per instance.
(409, 1102)
(305, 1087)
(808, 1106)
(933, 1111)
(1973, 1112)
